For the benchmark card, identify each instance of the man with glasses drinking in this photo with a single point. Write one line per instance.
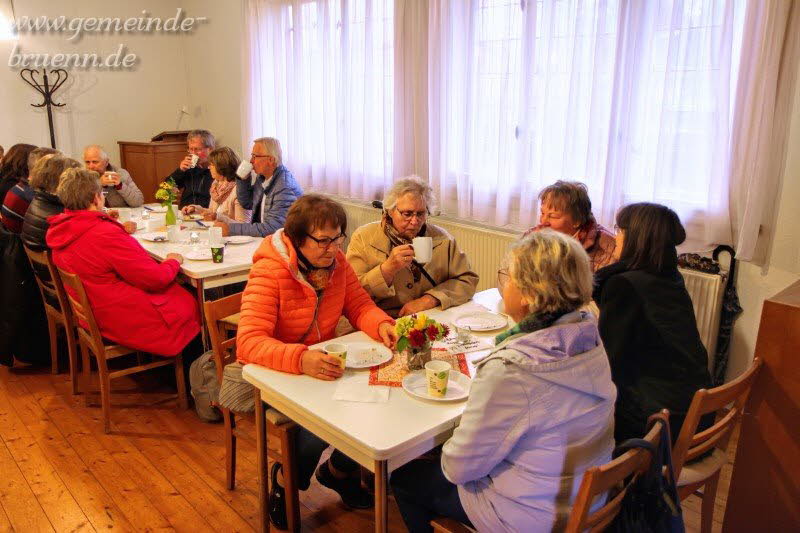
(192, 175)
(383, 255)
(269, 195)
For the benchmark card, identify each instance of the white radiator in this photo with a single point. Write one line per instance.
(485, 248)
(706, 292)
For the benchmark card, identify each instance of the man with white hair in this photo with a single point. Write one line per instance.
(118, 186)
(270, 195)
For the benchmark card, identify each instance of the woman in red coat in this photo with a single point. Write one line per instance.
(135, 299)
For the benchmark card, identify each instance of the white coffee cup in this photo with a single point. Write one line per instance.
(245, 167)
(423, 249)
(195, 159)
(174, 233)
(215, 238)
(437, 374)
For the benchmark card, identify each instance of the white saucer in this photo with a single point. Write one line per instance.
(416, 384)
(154, 236)
(366, 355)
(481, 321)
(198, 255)
(238, 239)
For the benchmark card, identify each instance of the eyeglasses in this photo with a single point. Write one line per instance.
(408, 215)
(256, 156)
(326, 242)
(503, 276)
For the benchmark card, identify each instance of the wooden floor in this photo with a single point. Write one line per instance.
(161, 468)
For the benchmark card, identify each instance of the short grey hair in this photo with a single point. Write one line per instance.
(272, 146)
(77, 188)
(46, 173)
(409, 185)
(99, 149)
(38, 153)
(204, 135)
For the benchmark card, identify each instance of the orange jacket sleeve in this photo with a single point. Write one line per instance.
(255, 342)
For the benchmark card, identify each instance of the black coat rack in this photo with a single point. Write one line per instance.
(46, 90)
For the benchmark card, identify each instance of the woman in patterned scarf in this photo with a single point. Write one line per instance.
(224, 206)
(382, 256)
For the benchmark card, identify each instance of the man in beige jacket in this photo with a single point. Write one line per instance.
(383, 258)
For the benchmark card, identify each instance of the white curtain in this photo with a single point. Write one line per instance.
(631, 97)
(770, 57)
(319, 77)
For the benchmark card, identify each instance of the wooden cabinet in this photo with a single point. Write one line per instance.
(765, 484)
(150, 162)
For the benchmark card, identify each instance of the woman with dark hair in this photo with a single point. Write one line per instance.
(295, 270)
(14, 167)
(224, 206)
(647, 322)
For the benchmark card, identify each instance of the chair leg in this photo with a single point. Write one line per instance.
(73, 358)
(290, 478)
(53, 332)
(183, 401)
(707, 507)
(87, 373)
(105, 393)
(230, 448)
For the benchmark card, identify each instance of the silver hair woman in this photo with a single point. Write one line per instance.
(540, 411)
(383, 256)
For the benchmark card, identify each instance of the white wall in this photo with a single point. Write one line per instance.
(102, 107)
(215, 72)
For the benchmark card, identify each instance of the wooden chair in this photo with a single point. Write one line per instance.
(222, 317)
(57, 309)
(92, 343)
(693, 473)
(613, 478)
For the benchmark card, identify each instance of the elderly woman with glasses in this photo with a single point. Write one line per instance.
(382, 255)
(299, 287)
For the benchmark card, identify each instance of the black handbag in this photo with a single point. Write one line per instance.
(651, 503)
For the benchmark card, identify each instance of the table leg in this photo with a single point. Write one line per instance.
(201, 299)
(263, 470)
(381, 502)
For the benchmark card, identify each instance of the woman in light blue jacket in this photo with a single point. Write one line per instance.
(540, 411)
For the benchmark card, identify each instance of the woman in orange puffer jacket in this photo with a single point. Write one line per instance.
(299, 287)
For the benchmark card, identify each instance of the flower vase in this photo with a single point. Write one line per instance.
(417, 357)
(170, 217)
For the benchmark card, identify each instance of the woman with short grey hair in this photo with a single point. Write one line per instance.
(382, 255)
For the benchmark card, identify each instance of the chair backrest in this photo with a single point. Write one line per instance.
(81, 310)
(691, 445)
(224, 348)
(613, 478)
(49, 283)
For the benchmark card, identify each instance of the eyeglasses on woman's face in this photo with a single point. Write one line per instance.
(408, 215)
(326, 242)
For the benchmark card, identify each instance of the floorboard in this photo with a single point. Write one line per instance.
(161, 468)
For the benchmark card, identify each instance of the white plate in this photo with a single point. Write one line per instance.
(156, 208)
(192, 217)
(198, 255)
(154, 236)
(481, 321)
(238, 239)
(366, 355)
(416, 384)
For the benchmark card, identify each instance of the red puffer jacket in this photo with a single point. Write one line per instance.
(135, 299)
(279, 307)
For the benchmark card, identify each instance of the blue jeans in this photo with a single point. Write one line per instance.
(423, 493)
(308, 449)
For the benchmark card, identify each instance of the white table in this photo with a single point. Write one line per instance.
(201, 275)
(379, 436)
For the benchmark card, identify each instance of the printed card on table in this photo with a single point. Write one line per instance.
(392, 372)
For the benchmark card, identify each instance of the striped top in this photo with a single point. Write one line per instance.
(15, 205)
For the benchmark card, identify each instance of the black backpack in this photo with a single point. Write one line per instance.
(651, 503)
